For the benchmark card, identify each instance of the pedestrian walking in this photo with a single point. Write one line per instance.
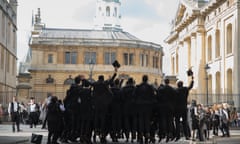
(34, 113)
(14, 112)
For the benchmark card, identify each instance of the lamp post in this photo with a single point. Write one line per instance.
(207, 68)
(163, 76)
(91, 66)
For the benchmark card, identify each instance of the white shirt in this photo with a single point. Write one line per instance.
(33, 107)
(15, 107)
(62, 108)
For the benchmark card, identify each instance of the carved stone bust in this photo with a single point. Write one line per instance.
(49, 79)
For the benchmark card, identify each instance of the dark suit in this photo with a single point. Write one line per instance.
(72, 104)
(129, 110)
(181, 110)
(15, 115)
(102, 97)
(116, 112)
(167, 101)
(54, 121)
(144, 98)
(86, 114)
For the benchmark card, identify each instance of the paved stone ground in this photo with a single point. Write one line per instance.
(23, 137)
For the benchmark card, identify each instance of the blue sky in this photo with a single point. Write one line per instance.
(148, 20)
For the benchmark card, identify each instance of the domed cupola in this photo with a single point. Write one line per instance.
(107, 15)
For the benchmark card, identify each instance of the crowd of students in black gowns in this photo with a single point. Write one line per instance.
(136, 112)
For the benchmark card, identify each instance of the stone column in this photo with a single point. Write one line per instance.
(200, 64)
(24, 87)
(236, 51)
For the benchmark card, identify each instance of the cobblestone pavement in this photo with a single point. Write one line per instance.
(23, 137)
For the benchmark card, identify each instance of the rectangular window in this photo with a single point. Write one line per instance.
(74, 58)
(13, 66)
(155, 62)
(125, 58)
(141, 59)
(70, 57)
(146, 60)
(113, 57)
(14, 40)
(90, 57)
(109, 57)
(3, 25)
(128, 58)
(50, 58)
(67, 58)
(2, 57)
(8, 62)
(131, 59)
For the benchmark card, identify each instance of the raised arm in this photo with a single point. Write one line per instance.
(191, 84)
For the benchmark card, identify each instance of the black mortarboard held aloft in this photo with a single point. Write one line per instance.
(116, 64)
(190, 72)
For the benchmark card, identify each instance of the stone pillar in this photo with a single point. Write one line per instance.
(236, 51)
(200, 64)
(24, 87)
(180, 59)
(193, 53)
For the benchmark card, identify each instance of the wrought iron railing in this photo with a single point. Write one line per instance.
(231, 99)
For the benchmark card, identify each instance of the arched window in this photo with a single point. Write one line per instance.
(209, 48)
(216, 97)
(229, 81)
(108, 11)
(173, 65)
(218, 83)
(229, 38)
(210, 88)
(229, 97)
(217, 49)
(177, 62)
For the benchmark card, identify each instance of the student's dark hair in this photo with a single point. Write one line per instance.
(145, 78)
(166, 81)
(77, 79)
(101, 77)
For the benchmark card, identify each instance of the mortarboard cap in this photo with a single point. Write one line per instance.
(116, 64)
(190, 72)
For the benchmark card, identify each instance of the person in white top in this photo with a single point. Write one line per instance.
(33, 116)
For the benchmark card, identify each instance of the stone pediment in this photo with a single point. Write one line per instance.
(185, 9)
(186, 12)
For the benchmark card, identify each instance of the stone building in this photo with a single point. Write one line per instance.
(205, 36)
(8, 48)
(58, 55)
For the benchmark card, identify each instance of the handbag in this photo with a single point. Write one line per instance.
(36, 138)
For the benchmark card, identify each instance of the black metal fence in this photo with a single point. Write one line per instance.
(231, 99)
